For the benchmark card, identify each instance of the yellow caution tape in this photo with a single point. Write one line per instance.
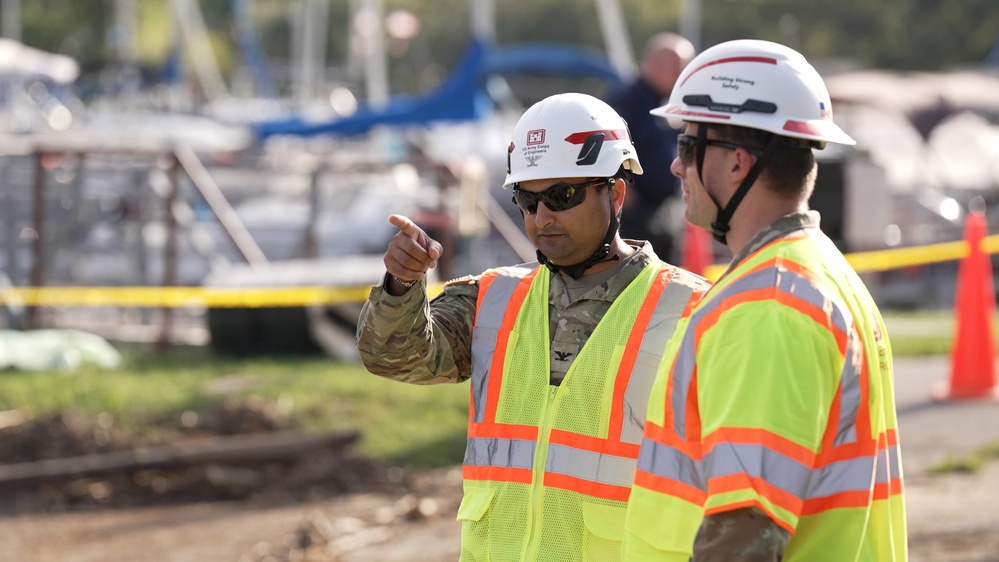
(883, 260)
(259, 297)
(898, 258)
(181, 297)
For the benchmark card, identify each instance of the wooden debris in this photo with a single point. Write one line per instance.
(238, 448)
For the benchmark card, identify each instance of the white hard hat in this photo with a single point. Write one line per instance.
(568, 136)
(755, 84)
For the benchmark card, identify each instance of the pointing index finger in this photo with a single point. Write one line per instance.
(405, 225)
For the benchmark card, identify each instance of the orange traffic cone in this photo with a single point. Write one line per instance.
(697, 253)
(973, 356)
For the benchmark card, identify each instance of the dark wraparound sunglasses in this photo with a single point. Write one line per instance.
(558, 197)
(686, 145)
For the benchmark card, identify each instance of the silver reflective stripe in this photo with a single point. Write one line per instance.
(843, 476)
(758, 461)
(591, 466)
(682, 373)
(668, 462)
(856, 475)
(488, 320)
(889, 467)
(664, 318)
(500, 453)
(849, 391)
(785, 281)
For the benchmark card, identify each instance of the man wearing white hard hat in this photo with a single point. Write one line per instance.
(560, 352)
(771, 431)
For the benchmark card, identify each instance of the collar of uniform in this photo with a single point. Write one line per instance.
(779, 229)
(609, 290)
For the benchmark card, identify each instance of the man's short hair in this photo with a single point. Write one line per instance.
(792, 169)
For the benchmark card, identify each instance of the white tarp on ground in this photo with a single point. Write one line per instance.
(55, 350)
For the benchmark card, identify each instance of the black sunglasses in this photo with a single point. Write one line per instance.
(685, 145)
(558, 197)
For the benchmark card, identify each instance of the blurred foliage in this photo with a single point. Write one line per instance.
(897, 34)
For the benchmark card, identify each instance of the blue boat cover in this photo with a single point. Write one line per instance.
(462, 96)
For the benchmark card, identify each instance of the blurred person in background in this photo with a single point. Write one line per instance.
(772, 429)
(657, 191)
(560, 353)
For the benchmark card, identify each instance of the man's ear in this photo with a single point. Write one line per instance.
(741, 164)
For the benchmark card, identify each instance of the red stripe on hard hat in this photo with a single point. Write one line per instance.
(766, 60)
(685, 113)
(609, 134)
(802, 127)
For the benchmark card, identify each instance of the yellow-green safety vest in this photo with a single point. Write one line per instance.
(777, 393)
(548, 469)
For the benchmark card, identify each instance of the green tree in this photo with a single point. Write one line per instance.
(896, 34)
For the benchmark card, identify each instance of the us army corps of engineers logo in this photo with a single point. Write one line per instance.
(535, 147)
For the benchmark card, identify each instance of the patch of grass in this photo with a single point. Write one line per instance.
(418, 425)
(421, 426)
(966, 463)
(922, 333)
(920, 346)
(972, 462)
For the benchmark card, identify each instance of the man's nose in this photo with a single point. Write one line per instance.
(677, 168)
(544, 216)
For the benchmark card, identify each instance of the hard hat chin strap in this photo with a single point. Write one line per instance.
(577, 270)
(720, 226)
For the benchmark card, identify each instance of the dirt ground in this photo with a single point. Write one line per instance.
(386, 515)
(323, 504)
(952, 517)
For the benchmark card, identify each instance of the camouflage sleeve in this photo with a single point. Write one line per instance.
(409, 339)
(741, 535)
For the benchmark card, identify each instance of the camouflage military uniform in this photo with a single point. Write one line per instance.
(742, 535)
(407, 339)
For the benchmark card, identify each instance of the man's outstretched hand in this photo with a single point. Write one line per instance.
(409, 255)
